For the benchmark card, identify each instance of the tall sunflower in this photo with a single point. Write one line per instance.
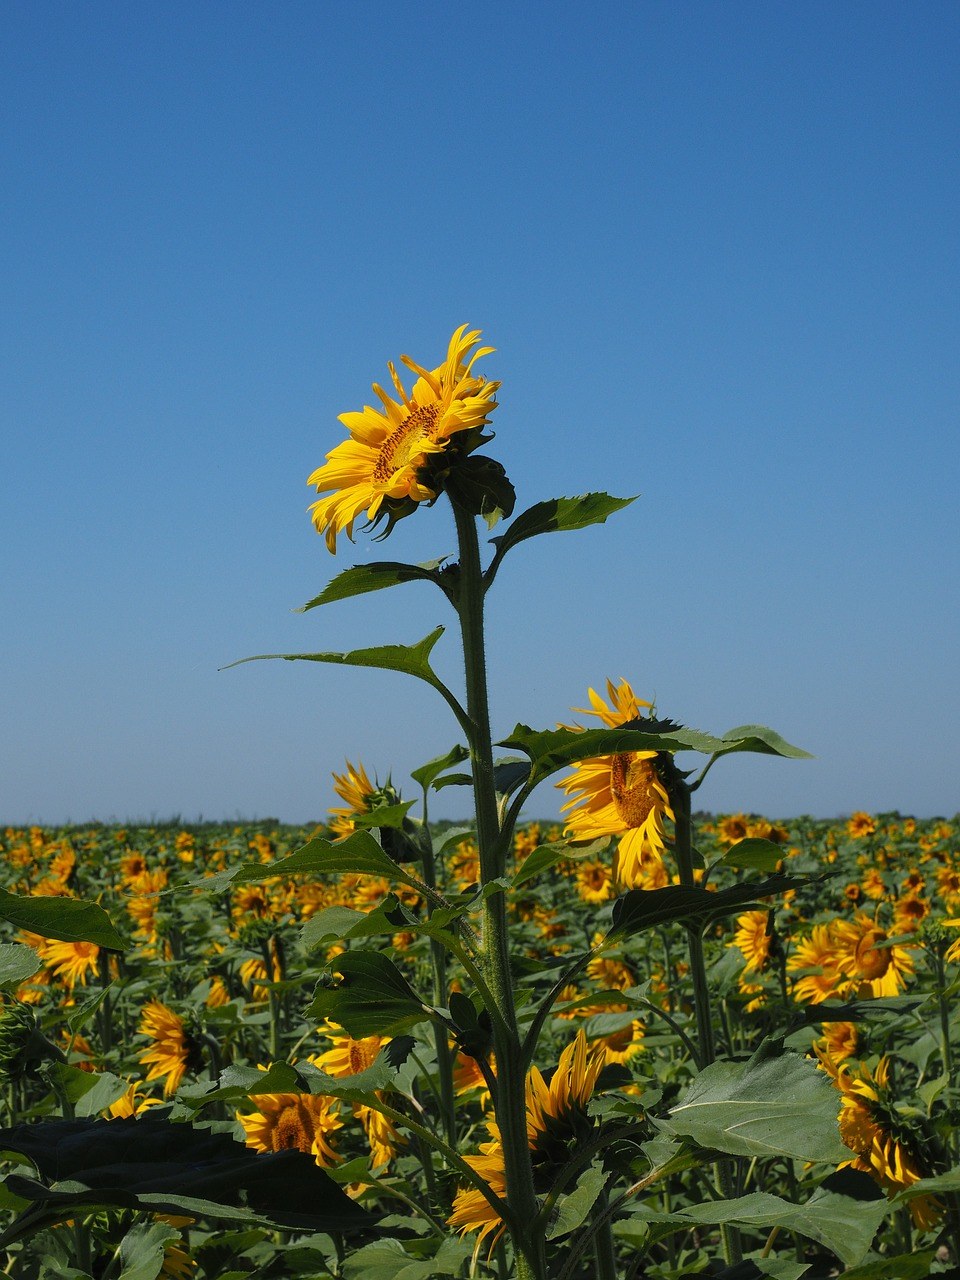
(620, 794)
(557, 1121)
(390, 463)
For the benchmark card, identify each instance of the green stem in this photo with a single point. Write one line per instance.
(680, 798)
(510, 1108)
(438, 962)
(603, 1242)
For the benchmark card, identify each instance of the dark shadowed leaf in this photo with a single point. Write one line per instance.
(152, 1164)
(427, 773)
(643, 908)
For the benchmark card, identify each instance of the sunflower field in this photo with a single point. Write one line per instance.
(644, 1041)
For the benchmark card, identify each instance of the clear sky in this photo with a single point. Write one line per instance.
(717, 247)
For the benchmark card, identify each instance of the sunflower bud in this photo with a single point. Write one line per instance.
(22, 1044)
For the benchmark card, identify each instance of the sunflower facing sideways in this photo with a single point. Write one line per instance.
(392, 460)
(557, 1121)
(619, 795)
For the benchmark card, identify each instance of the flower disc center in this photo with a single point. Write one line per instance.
(632, 784)
(402, 444)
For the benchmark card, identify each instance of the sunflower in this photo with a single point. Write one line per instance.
(620, 794)
(71, 961)
(557, 1122)
(292, 1122)
(860, 824)
(818, 956)
(732, 828)
(594, 882)
(884, 1143)
(348, 1057)
(390, 463)
(863, 955)
(172, 1048)
(753, 939)
(355, 789)
(130, 1104)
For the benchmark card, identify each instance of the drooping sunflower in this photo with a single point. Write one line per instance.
(348, 1057)
(355, 789)
(620, 794)
(557, 1121)
(885, 1143)
(172, 1047)
(388, 464)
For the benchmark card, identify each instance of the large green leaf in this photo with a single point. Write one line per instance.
(359, 854)
(776, 1104)
(548, 855)
(141, 1251)
(758, 738)
(906, 1266)
(844, 1225)
(553, 749)
(571, 1210)
(363, 578)
(66, 919)
(558, 515)
(388, 1260)
(753, 854)
(640, 909)
(17, 963)
(372, 997)
(413, 659)
(429, 772)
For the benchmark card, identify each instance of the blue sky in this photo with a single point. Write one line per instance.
(716, 247)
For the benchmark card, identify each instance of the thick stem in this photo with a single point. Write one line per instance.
(438, 960)
(680, 799)
(511, 1112)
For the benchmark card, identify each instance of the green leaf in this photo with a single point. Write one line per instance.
(844, 1225)
(571, 1210)
(385, 815)
(753, 854)
(640, 909)
(553, 749)
(358, 1088)
(141, 1250)
(359, 854)
(363, 578)
(558, 515)
(776, 1104)
(388, 1260)
(66, 919)
(413, 659)
(758, 738)
(17, 963)
(330, 925)
(480, 485)
(372, 998)
(84, 1011)
(906, 1266)
(548, 855)
(427, 773)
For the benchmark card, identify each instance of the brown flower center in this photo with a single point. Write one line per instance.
(400, 446)
(293, 1130)
(873, 962)
(632, 782)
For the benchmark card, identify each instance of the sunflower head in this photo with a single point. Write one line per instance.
(413, 446)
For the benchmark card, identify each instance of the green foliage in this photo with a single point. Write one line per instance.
(372, 997)
(776, 1104)
(364, 578)
(66, 919)
(558, 515)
